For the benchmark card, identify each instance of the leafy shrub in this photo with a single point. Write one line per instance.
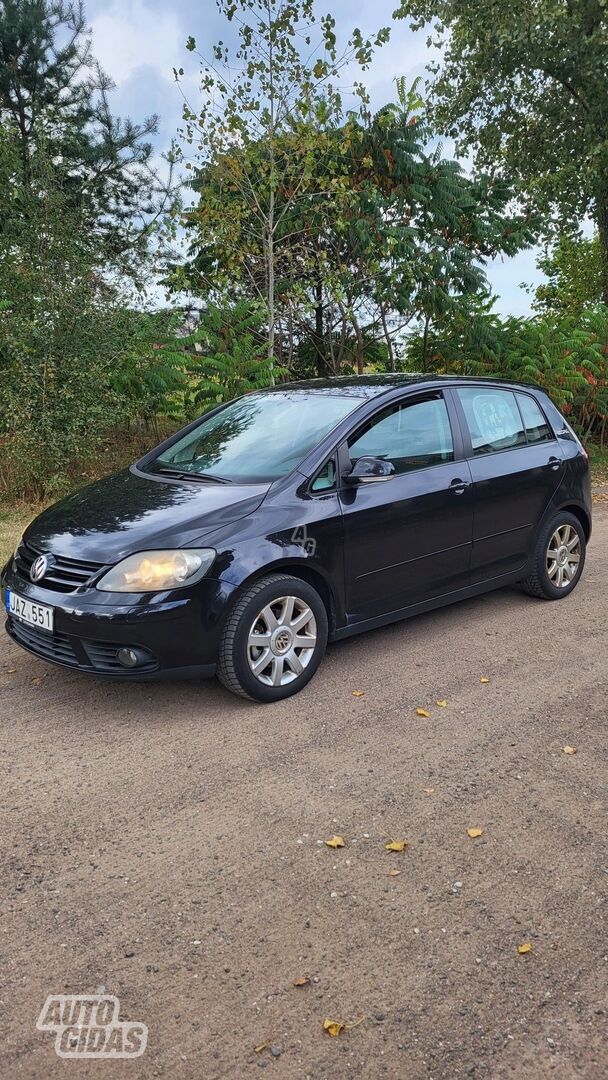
(223, 357)
(567, 357)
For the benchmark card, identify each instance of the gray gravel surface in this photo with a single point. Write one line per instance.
(166, 841)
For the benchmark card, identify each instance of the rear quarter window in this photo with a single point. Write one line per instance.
(535, 423)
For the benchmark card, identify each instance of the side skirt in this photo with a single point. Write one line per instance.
(428, 605)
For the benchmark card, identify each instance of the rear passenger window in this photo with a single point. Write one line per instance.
(493, 418)
(537, 428)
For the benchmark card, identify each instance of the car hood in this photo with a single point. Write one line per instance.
(129, 512)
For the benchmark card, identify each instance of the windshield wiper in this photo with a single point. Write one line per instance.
(205, 478)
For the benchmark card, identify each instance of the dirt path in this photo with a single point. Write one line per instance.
(166, 842)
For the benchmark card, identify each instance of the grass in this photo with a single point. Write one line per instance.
(599, 464)
(116, 454)
(13, 520)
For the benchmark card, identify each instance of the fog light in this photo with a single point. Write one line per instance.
(130, 658)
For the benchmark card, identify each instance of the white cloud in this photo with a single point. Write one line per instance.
(128, 36)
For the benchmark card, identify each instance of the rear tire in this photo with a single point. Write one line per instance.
(274, 639)
(559, 558)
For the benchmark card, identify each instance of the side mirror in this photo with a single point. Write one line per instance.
(370, 470)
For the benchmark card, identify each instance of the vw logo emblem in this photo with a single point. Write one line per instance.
(39, 568)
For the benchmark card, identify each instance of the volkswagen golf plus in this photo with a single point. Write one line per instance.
(299, 514)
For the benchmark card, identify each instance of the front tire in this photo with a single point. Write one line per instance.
(274, 639)
(559, 558)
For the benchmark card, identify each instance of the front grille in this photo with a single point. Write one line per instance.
(54, 646)
(64, 575)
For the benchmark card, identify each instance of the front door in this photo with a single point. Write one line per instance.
(408, 538)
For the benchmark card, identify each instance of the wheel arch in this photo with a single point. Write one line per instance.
(298, 569)
(579, 512)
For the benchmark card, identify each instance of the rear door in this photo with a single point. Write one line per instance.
(516, 464)
(408, 538)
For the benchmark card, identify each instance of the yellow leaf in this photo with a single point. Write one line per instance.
(442, 703)
(396, 845)
(336, 841)
(428, 790)
(11, 670)
(37, 680)
(569, 749)
(484, 679)
(262, 1046)
(525, 948)
(302, 981)
(358, 693)
(422, 712)
(474, 833)
(333, 1028)
(394, 873)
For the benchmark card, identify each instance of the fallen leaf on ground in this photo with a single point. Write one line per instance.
(262, 1046)
(474, 833)
(37, 680)
(442, 703)
(484, 679)
(394, 873)
(302, 981)
(333, 1028)
(336, 841)
(358, 693)
(422, 712)
(11, 670)
(526, 947)
(569, 749)
(428, 790)
(396, 845)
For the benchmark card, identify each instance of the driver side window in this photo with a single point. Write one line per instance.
(411, 435)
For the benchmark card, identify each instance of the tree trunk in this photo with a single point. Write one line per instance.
(271, 284)
(319, 341)
(602, 228)
(425, 341)
(388, 338)
(360, 343)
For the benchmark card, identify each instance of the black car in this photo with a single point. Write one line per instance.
(300, 514)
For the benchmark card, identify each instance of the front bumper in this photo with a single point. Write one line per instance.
(178, 631)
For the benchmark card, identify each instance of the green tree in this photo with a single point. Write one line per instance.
(278, 89)
(54, 95)
(400, 235)
(573, 268)
(71, 342)
(524, 84)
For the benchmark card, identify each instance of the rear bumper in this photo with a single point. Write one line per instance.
(177, 632)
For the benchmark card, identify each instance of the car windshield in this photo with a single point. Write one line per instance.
(257, 439)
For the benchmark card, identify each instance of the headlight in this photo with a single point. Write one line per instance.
(153, 571)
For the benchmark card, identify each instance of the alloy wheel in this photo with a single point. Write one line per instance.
(281, 641)
(563, 556)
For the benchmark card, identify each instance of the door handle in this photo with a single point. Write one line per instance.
(459, 486)
(554, 463)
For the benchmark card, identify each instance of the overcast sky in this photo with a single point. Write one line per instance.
(139, 42)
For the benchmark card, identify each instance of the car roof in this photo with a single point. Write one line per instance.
(369, 386)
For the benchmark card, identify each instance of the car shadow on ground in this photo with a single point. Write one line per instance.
(162, 700)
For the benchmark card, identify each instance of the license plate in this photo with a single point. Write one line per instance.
(29, 612)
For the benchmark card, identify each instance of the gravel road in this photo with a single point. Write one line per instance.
(167, 842)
